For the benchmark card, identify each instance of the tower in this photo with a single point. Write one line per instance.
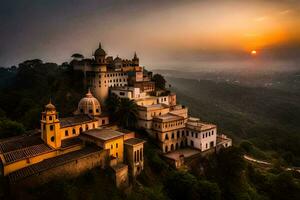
(100, 55)
(135, 60)
(50, 126)
(100, 83)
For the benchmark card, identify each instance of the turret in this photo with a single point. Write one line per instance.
(135, 60)
(50, 126)
(100, 55)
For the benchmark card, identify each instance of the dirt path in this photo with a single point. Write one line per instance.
(248, 158)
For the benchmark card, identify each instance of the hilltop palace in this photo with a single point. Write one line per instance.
(70, 146)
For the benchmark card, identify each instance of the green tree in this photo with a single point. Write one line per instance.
(181, 185)
(10, 128)
(160, 82)
(112, 104)
(127, 113)
(77, 56)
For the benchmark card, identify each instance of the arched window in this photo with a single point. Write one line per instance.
(52, 139)
(86, 127)
(178, 134)
(94, 126)
(172, 147)
(176, 147)
(181, 144)
(172, 135)
(66, 133)
(138, 155)
(166, 149)
(74, 131)
(166, 137)
(135, 156)
(141, 154)
(80, 130)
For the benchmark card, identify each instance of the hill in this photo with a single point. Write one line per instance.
(267, 117)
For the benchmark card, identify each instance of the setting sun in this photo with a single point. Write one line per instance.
(253, 52)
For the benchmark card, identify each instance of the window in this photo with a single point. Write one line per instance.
(90, 110)
(166, 137)
(141, 154)
(74, 131)
(52, 139)
(135, 156)
(51, 127)
(192, 134)
(187, 133)
(117, 145)
(178, 134)
(111, 146)
(138, 155)
(166, 149)
(103, 121)
(212, 132)
(80, 130)
(86, 127)
(182, 133)
(50, 118)
(66, 133)
(172, 135)
(196, 135)
(117, 155)
(97, 110)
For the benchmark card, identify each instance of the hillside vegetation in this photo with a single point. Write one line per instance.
(268, 118)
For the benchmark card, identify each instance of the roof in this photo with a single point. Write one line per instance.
(102, 133)
(51, 163)
(27, 152)
(134, 141)
(152, 107)
(200, 126)
(74, 120)
(119, 166)
(19, 142)
(168, 117)
(71, 142)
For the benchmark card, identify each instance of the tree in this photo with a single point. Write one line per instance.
(127, 113)
(77, 56)
(112, 104)
(181, 185)
(160, 82)
(10, 128)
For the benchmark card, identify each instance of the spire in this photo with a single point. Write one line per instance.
(89, 94)
(100, 45)
(135, 56)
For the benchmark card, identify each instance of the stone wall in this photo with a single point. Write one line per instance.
(67, 170)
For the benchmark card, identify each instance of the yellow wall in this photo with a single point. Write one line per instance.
(9, 168)
(112, 146)
(91, 125)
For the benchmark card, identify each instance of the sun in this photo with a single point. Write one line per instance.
(253, 52)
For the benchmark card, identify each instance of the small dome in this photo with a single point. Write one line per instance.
(100, 51)
(50, 107)
(89, 105)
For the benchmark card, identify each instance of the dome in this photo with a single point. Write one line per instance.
(89, 105)
(100, 51)
(50, 107)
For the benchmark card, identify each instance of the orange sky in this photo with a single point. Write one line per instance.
(162, 32)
